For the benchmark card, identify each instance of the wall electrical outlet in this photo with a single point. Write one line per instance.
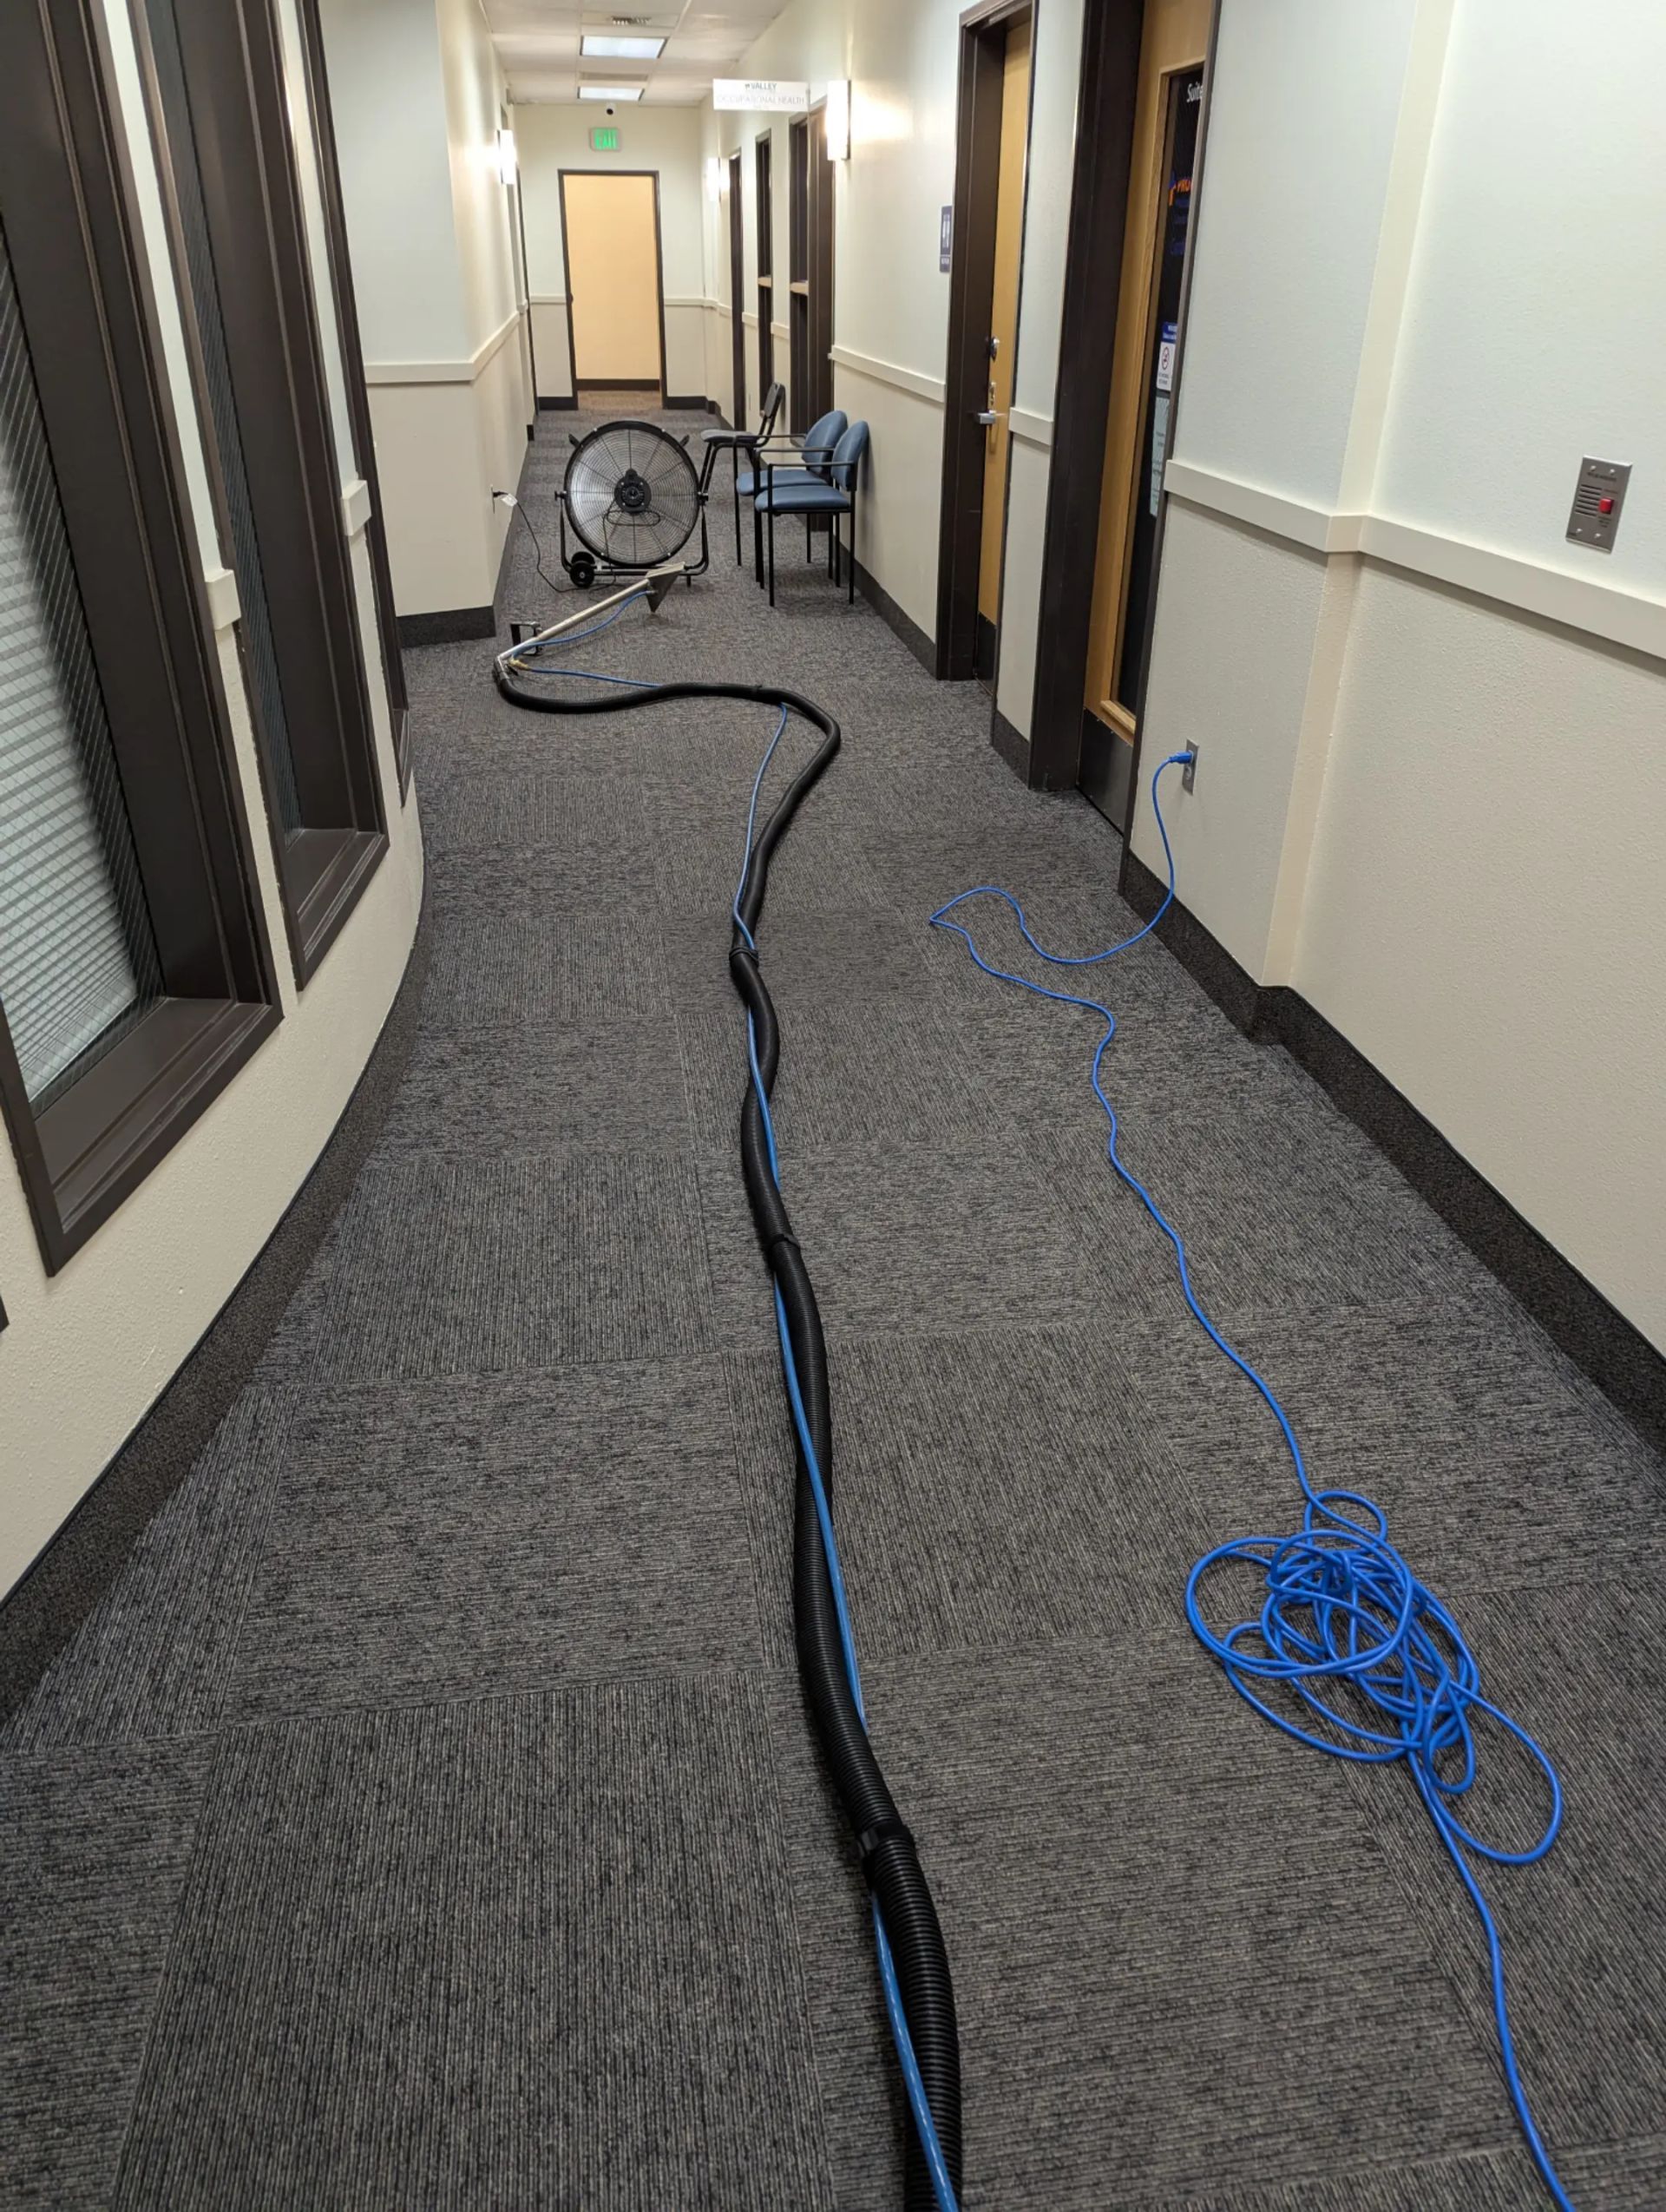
(1189, 773)
(508, 498)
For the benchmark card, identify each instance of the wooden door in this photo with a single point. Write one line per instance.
(1003, 331)
(612, 278)
(1172, 47)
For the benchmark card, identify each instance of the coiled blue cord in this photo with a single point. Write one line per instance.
(1341, 1605)
(941, 2184)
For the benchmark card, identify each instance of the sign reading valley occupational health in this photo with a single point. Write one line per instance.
(763, 96)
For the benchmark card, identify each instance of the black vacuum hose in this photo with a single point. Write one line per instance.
(887, 1848)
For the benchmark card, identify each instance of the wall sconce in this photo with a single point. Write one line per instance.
(713, 179)
(837, 119)
(505, 161)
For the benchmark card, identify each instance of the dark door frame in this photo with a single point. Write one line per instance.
(737, 295)
(971, 297)
(820, 246)
(763, 255)
(798, 414)
(1149, 626)
(1088, 342)
(561, 176)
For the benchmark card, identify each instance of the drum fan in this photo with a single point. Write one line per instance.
(633, 501)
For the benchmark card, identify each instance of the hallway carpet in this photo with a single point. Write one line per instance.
(429, 1819)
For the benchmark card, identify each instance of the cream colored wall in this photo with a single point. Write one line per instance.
(1430, 793)
(668, 142)
(87, 1352)
(417, 93)
(891, 301)
(613, 277)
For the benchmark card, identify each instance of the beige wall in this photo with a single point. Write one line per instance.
(88, 1351)
(417, 93)
(666, 141)
(613, 261)
(891, 299)
(1431, 788)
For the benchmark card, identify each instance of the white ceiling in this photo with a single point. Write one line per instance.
(538, 44)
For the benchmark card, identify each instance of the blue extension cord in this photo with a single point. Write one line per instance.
(942, 2186)
(1342, 1605)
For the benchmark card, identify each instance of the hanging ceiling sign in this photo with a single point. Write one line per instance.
(763, 96)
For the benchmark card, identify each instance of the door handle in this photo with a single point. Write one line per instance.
(989, 417)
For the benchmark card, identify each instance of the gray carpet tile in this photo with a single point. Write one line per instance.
(991, 1491)
(810, 957)
(901, 1237)
(1166, 1969)
(1607, 2177)
(95, 1846)
(518, 1880)
(543, 1087)
(1588, 1990)
(555, 807)
(432, 1540)
(840, 1084)
(441, 1266)
(491, 967)
(1492, 1474)
(151, 1660)
(529, 1951)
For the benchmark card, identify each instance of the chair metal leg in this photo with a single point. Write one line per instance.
(831, 537)
(807, 548)
(757, 547)
(849, 554)
(771, 552)
(735, 450)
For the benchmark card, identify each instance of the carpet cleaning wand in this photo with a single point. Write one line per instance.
(913, 1960)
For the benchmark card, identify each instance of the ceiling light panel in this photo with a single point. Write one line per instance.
(601, 46)
(615, 92)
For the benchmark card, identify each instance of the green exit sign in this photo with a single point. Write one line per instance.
(605, 139)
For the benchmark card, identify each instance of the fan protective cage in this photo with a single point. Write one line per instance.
(632, 495)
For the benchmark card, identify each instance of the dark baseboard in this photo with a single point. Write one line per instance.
(984, 651)
(448, 625)
(1233, 989)
(1571, 1310)
(893, 618)
(81, 1562)
(1010, 743)
(618, 384)
(694, 402)
(547, 401)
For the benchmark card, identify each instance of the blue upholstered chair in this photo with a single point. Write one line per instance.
(793, 459)
(735, 443)
(834, 497)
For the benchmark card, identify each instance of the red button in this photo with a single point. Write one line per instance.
(1605, 507)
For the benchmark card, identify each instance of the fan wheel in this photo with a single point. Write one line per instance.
(632, 497)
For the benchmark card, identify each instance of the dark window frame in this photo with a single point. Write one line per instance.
(231, 53)
(83, 285)
(352, 361)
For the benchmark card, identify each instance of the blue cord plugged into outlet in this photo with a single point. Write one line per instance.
(1340, 1610)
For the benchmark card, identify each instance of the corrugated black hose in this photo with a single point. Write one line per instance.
(887, 1848)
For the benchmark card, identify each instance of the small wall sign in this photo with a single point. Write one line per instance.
(946, 239)
(761, 95)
